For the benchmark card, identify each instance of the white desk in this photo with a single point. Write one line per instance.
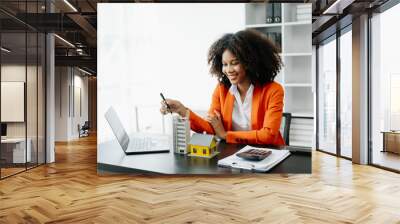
(18, 149)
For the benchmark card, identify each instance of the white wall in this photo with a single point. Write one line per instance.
(68, 81)
(33, 126)
(16, 73)
(61, 103)
(145, 49)
(80, 83)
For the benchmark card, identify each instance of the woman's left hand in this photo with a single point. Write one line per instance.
(216, 122)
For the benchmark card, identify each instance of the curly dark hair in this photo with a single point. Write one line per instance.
(254, 50)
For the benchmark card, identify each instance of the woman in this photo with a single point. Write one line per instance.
(247, 104)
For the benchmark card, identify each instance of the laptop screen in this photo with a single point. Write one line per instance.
(116, 126)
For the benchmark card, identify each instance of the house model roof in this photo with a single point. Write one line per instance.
(201, 139)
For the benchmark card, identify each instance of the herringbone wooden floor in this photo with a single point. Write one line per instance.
(70, 191)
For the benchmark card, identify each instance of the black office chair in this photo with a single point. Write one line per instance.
(285, 126)
(84, 130)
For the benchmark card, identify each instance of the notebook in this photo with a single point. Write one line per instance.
(264, 165)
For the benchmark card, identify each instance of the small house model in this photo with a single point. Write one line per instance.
(181, 134)
(203, 145)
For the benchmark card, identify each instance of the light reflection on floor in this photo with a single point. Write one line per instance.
(386, 159)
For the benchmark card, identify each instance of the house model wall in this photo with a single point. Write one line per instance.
(203, 145)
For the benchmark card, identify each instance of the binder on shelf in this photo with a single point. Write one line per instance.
(264, 165)
(277, 12)
(278, 40)
(275, 37)
(269, 13)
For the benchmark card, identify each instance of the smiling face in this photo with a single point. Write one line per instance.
(233, 69)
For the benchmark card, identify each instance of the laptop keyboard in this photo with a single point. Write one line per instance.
(142, 143)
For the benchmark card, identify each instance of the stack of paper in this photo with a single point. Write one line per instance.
(303, 12)
(261, 166)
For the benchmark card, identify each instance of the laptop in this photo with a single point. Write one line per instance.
(142, 143)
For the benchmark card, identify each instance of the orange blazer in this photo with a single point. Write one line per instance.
(266, 115)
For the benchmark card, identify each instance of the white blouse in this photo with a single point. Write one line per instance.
(241, 115)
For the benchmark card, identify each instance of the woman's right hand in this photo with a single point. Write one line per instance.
(174, 107)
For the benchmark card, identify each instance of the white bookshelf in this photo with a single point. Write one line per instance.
(264, 25)
(296, 52)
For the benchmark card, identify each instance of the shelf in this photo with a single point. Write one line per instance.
(302, 114)
(269, 29)
(293, 12)
(294, 37)
(298, 23)
(296, 54)
(279, 78)
(274, 33)
(301, 129)
(297, 39)
(298, 70)
(298, 85)
(302, 125)
(255, 13)
(264, 25)
(300, 143)
(299, 100)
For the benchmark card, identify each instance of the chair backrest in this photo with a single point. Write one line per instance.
(86, 125)
(285, 126)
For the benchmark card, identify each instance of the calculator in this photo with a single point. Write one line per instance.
(254, 154)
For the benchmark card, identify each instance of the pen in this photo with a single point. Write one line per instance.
(169, 108)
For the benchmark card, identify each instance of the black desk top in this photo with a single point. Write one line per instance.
(111, 159)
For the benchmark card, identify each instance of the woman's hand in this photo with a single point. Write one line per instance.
(216, 122)
(174, 107)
